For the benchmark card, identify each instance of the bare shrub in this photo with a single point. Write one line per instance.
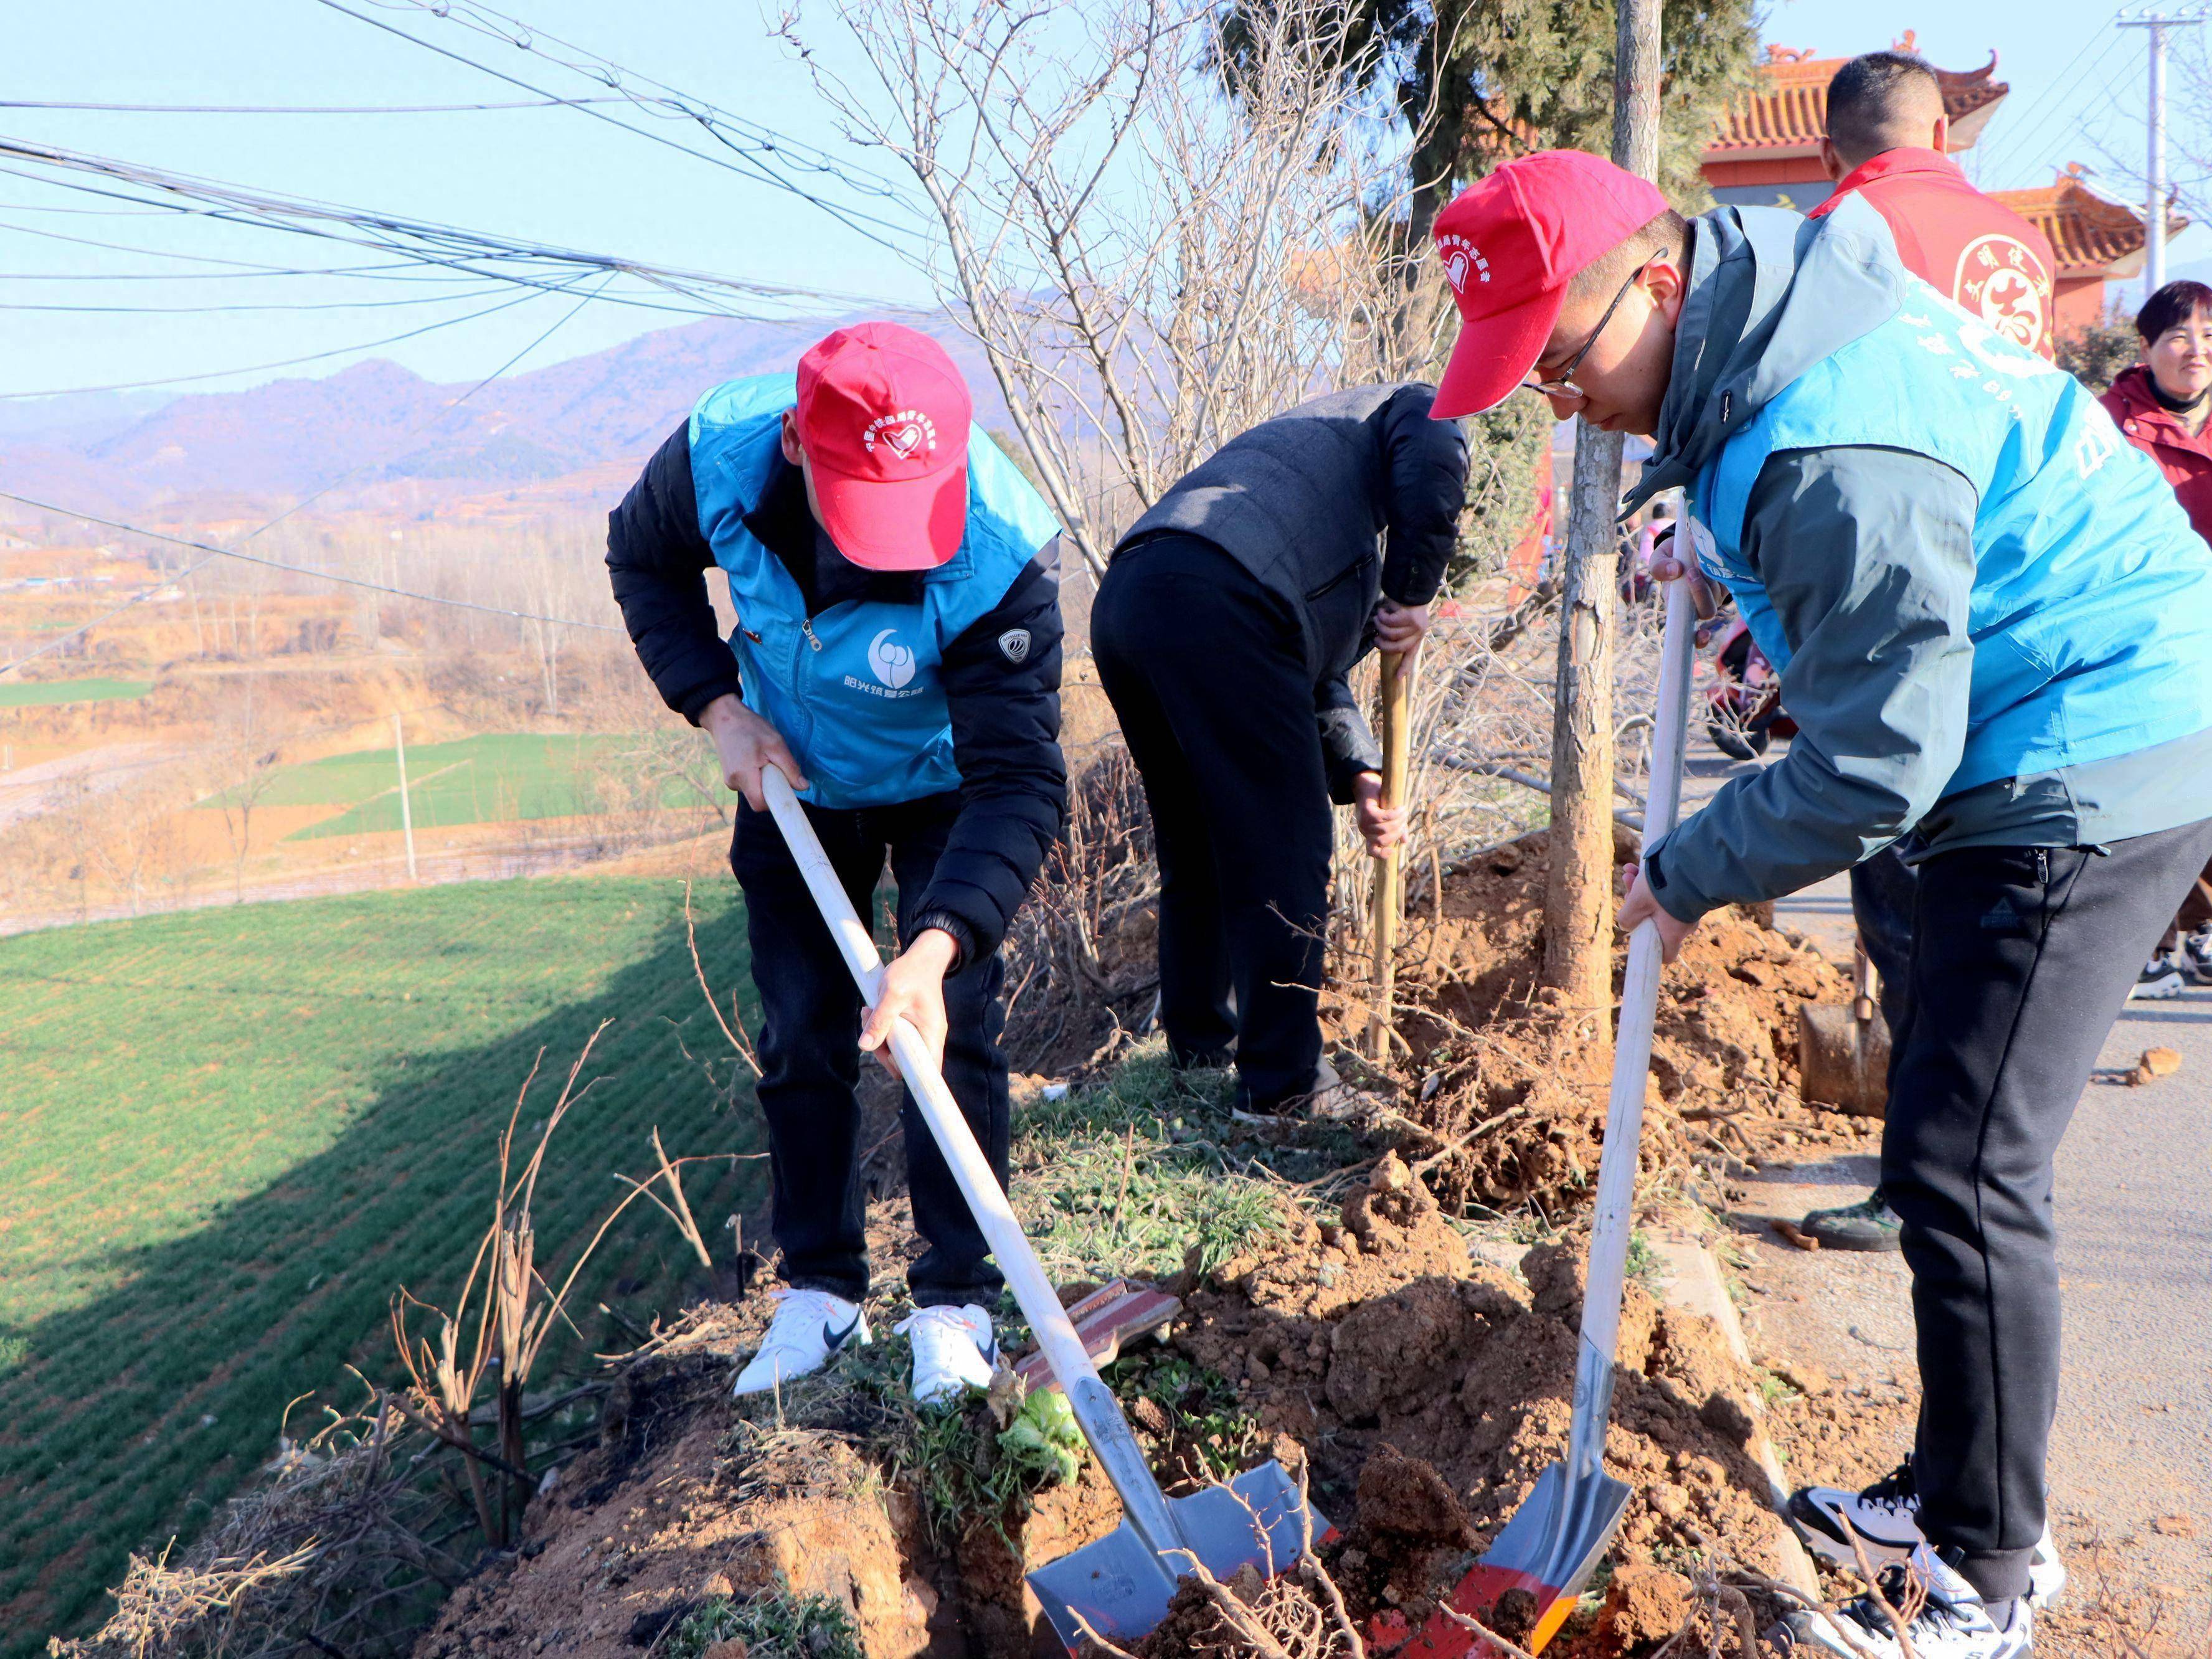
(1150, 264)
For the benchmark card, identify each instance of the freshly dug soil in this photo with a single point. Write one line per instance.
(1434, 1391)
(1489, 1048)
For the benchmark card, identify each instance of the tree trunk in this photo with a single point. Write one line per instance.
(1578, 895)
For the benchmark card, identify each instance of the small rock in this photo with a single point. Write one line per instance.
(2174, 1526)
(2155, 1064)
(718, 1584)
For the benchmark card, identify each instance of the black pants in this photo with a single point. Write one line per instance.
(1882, 890)
(811, 1060)
(2022, 959)
(1206, 673)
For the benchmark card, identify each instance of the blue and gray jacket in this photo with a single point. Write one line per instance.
(1990, 617)
(889, 687)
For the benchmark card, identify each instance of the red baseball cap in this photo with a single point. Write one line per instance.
(883, 416)
(1510, 243)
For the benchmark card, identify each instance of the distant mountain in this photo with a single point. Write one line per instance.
(388, 440)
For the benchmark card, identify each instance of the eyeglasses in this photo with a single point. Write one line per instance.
(1562, 384)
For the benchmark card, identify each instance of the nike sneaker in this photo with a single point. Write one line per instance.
(809, 1327)
(954, 1351)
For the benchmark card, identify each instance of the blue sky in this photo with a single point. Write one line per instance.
(560, 176)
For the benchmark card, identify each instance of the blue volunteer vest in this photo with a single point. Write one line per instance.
(858, 694)
(2091, 611)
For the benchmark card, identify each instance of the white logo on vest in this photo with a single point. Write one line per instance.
(1015, 643)
(893, 663)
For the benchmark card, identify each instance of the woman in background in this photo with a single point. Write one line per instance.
(2160, 405)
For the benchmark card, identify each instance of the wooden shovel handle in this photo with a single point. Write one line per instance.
(1389, 880)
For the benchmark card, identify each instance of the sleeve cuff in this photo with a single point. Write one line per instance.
(694, 702)
(1671, 894)
(963, 936)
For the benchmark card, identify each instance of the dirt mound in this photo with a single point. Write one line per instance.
(1512, 1085)
(1435, 1391)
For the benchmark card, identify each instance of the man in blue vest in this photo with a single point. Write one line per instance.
(1991, 625)
(897, 655)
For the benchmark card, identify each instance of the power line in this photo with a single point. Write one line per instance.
(137, 599)
(2024, 121)
(211, 549)
(747, 164)
(475, 252)
(299, 109)
(263, 305)
(673, 103)
(305, 501)
(280, 363)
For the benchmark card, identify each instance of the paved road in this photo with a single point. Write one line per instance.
(2132, 1446)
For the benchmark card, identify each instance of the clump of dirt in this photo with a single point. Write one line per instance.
(1380, 1344)
(1512, 1084)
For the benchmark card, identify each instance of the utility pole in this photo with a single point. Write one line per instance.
(406, 809)
(2156, 23)
(1578, 897)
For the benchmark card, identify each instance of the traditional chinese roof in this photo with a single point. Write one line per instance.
(1787, 112)
(2092, 235)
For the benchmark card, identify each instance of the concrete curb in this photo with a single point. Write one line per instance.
(1692, 1283)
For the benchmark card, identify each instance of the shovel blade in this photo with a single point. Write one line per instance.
(1122, 1589)
(1550, 1548)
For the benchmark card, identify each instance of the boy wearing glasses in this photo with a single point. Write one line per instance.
(1990, 619)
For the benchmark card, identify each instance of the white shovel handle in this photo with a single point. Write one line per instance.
(1096, 1409)
(1632, 1062)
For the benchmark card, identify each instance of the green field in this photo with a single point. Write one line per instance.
(226, 1136)
(36, 694)
(494, 778)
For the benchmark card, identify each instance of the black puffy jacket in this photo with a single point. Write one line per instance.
(1004, 714)
(1347, 498)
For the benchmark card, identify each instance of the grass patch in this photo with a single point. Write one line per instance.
(775, 1625)
(1128, 1175)
(1645, 1266)
(492, 778)
(1192, 1415)
(229, 1134)
(39, 694)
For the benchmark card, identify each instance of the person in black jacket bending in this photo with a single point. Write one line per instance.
(1223, 631)
(897, 657)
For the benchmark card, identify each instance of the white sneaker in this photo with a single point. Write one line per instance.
(2162, 977)
(1886, 1518)
(1953, 1623)
(953, 1350)
(808, 1327)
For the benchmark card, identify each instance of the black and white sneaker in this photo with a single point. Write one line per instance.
(2162, 976)
(1954, 1621)
(2195, 956)
(1886, 1516)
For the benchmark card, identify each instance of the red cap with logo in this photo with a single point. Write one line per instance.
(1510, 243)
(883, 416)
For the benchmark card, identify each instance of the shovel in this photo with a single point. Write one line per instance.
(1120, 1586)
(1554, 1541)
(1843, 1053)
